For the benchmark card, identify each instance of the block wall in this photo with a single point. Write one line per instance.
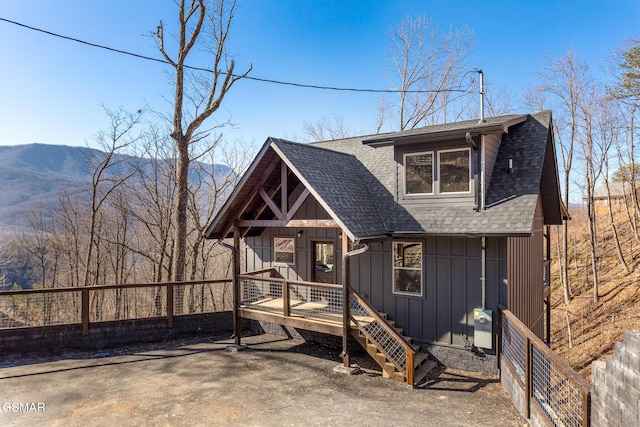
(51, 341)
(615, 389)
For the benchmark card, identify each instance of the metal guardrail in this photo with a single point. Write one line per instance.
(84, 305)
(557, 392)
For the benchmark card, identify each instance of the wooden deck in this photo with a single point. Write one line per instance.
(317, 316)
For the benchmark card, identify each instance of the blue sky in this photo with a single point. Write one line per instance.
(51, 90)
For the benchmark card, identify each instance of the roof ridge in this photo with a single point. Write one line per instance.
(309, 145)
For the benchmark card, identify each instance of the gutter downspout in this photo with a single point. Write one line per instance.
(236, 294)
(483, 279)
(482, 162)
(346, 304)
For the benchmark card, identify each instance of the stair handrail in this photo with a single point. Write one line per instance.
(399, 337)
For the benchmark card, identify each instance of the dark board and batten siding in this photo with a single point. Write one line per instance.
(452, 287)
(525, 256)
(258, 250)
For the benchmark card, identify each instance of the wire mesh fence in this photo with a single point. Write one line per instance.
(316, 301)
(390, 345)
(557, 392)
(559, 398)
(262, 294)
(513, 348)
(63, 306)
(311, 300)
(30, 309)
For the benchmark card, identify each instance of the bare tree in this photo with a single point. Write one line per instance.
(591, 152)
(625, 69)
(5, 261)
(111, 169)
(327, 128)
(206, 24)
(430, 61)
(607, 126)
(562, 86)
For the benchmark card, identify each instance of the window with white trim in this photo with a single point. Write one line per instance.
(407, 268)
(454, 167)
(418, 173)
(284, 250)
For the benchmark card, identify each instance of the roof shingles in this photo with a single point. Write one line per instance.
(356, 183)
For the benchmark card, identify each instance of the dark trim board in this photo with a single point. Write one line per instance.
(292, 321)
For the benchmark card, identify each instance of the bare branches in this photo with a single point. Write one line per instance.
(204, 95)
(327, 128)
(424, 58)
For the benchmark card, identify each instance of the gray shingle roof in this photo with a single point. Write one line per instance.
(355, 182)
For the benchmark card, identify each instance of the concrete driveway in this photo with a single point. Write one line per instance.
(276, 382)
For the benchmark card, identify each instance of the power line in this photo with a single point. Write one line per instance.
(258, 79)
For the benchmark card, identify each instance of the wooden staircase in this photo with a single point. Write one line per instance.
(394, 352)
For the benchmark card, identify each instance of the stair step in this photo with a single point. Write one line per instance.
(419, 359)
(424, 370)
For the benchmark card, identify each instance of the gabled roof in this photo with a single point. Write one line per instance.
(354, 180)
(617, 189)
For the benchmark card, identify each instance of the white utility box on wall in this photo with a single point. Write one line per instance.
(483, 328)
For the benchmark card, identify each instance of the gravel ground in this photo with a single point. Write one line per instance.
(275, 382)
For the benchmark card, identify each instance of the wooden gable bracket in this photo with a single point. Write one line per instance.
(284, 215)
(249, 200)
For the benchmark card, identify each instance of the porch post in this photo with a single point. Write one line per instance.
(237, 321)
(346, 306)
(346, 299)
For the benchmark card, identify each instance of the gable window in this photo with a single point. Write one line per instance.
(418, 173)
(407, 268)
(284, 250)
(453, 171)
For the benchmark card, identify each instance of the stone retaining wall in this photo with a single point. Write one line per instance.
(615, 390)
(54, 340)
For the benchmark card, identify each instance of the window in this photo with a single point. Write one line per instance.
(453, 170)
(418, 173)
(407, 268)
(284, 250)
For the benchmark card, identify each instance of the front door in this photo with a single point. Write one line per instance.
(323, 262)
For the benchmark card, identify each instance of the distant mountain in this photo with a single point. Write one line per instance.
(34, 176)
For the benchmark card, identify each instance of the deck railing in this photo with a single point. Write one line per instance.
(312, 300)
(386, 339)
(547, 273)
(550, 385)
(84, 305)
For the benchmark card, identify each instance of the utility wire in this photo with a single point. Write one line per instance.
(258, 79)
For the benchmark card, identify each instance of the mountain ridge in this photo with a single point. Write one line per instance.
(35, 175)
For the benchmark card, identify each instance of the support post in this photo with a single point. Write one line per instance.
(346, 299)
(85, 311)
(235, 283)
(285, 299)
(237, 321)
(528, 364)
(170, 306)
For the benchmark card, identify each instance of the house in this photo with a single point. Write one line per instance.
(618, 193)
(438, 225)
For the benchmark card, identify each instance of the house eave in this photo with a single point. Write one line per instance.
(475, 130)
